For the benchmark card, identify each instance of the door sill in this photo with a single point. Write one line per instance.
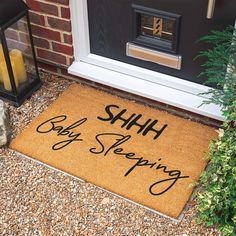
(172, 96)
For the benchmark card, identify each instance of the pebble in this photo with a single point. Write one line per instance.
(105, 200)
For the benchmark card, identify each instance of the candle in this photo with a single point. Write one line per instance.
(19, 70)
(1, 79)
(5, 75)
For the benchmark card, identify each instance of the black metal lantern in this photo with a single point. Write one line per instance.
(19, 76)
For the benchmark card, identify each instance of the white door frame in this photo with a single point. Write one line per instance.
(157, 86)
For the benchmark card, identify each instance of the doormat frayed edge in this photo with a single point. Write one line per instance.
(178, 220)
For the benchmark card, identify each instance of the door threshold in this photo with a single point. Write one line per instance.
(171, 96)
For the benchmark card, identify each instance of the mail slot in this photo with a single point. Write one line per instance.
(146, 54)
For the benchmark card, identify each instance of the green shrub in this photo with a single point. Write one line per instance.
(220, 66)
(216, 196)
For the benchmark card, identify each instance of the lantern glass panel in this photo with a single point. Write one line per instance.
(4, 75)
(21, 56)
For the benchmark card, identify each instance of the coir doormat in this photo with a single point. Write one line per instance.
(145, 155)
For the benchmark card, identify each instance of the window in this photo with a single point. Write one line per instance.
(156, 29)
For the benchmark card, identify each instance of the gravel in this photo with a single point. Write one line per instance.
(37, 200)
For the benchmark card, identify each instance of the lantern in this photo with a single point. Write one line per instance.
(19, 76)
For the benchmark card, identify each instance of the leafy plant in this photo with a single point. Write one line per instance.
(217, 193)
(220, 67)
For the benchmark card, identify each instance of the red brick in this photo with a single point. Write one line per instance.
(43, 7)
(20, 25)
(67, 38)
(37, 19)
(24, 38)
(51, 56)
(46, 33)
(57, 47)
(64, 2)
(71, 59)
(65, 12)
(64, 72)
(42, 43)
(59, 24)
(18, 45)
(11, 34)
(47, 67)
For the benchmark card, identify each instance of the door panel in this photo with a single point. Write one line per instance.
(112, 25)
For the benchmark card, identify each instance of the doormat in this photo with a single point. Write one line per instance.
(142, 154)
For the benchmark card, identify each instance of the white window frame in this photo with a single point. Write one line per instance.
(156, 86)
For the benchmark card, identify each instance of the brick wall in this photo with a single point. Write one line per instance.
(51, 27)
